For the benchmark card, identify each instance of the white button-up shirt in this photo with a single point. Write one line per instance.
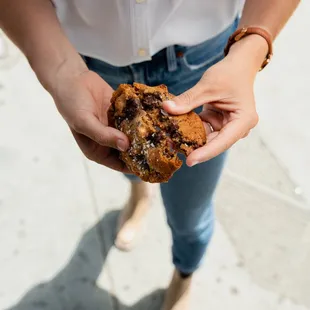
(122, 32)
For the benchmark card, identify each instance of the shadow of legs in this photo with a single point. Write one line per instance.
(74, 287)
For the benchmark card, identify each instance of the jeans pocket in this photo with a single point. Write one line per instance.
(202, 60)
(207, 53)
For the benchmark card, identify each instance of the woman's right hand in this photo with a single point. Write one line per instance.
(81, 96)
(83, 99)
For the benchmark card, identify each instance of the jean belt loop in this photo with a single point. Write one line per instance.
(171, 59)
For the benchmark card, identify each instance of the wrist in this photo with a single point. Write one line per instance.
(57, 67)
(66, 71)
(251, 51)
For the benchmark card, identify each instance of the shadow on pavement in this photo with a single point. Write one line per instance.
(74, 287)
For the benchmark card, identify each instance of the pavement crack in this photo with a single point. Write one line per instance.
(100, 232)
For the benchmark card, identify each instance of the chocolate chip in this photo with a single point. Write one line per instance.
(118, 121)
(142, 162)
(144, 165)
(131, 109)
(139, 157)
(156, 137)
(168, 153)
(173, 130)
(151, 101)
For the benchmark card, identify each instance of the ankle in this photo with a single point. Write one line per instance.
(178, 293)
(140, 189)
(184, 275)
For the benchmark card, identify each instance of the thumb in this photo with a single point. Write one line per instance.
(188, 101)
(91, 127)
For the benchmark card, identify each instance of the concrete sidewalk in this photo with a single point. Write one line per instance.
(58, 211)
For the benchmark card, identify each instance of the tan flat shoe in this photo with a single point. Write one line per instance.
(178, 293)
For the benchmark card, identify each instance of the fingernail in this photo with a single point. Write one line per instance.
(121, 145)
(194, 163)
(170, 103)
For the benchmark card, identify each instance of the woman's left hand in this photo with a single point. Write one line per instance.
(229, 113)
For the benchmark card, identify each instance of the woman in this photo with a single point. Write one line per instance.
(178, 43)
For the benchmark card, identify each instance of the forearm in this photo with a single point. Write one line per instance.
(33, 26)
(271, 15)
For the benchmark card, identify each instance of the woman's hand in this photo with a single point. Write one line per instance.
(83, 100)
(81, 96)
(226, 93)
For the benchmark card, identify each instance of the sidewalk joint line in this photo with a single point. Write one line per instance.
(100, 232)
(267, 190)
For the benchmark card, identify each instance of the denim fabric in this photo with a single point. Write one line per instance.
(188, 196)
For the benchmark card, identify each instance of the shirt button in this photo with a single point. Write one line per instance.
(142, 52)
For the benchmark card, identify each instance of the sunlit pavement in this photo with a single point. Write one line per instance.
(58, 211)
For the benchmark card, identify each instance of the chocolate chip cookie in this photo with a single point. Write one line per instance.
(155, 136)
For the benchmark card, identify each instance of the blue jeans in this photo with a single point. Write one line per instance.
(188, 196)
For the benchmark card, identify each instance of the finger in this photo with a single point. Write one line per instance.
(189, 100)
(208, 128)
(229, 135)
(111, 161)
(90, 126)
(246, 134)
(214, 118)
(212, 136)
(101, 155)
